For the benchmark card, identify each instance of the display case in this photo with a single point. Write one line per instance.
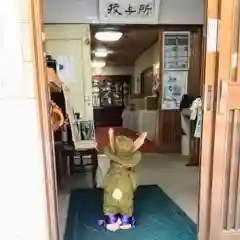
(110, 95)
(107, 92)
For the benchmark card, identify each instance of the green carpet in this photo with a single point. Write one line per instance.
(157, 217)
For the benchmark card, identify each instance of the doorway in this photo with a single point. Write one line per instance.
(216, 229)
(112, 91)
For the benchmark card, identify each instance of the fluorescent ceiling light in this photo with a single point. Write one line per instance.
(101, 53)
(98, 64)
(108, 36)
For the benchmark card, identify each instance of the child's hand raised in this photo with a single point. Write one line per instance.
(139, 141)
(111, 139)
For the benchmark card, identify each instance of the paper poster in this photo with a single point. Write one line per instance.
(212, 35)
(66, 69)
(198, 129)
(174, 87)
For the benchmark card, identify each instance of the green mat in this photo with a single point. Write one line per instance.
(157, 217)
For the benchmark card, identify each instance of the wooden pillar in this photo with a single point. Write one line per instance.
(209, 76)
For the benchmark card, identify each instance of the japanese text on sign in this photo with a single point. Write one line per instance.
(129, 12)
(140, 9)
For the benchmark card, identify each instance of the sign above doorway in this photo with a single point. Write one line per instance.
(129, 11)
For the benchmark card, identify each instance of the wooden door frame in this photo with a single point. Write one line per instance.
(225, 214)
(42, 93)
(209, 93)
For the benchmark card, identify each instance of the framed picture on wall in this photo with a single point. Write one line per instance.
(87, 130)
(147, 82)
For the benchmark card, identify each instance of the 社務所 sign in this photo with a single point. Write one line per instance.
(129, 11)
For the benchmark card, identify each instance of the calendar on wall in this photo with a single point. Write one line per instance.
(176, 50)
(176, 58)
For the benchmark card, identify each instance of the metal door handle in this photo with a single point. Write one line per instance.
(221, 107)
(219, 96)
(209, 98)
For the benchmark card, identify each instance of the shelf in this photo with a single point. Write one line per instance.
(53, 81)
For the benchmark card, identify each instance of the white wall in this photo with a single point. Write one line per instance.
(70, 11)
(111, 71)
(86, 11)
(23, 190)
(182, 12)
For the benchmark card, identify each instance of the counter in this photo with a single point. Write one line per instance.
(141, 121)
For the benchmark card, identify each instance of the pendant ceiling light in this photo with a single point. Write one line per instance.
(108, 36)
(98, 64)
(101, 53)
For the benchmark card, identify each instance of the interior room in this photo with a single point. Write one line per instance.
(133, 78)
(125, 60)
(117, 68)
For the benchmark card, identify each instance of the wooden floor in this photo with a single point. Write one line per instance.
(102, 139)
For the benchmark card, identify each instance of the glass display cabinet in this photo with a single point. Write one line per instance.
(110, 95)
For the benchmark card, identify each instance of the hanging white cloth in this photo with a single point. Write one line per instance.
(69, 111)
(197, 114)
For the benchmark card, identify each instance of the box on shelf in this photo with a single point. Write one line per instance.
(150, 103)
(138, 103)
